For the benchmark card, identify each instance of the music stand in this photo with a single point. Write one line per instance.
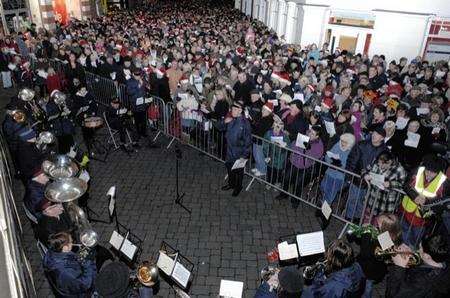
(175, 268)
(301, 260)
(127, 245)
(179, 197)
(96, 219)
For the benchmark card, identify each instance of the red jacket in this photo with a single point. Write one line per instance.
(53, 83)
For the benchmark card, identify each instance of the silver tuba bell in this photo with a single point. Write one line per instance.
(60, 167)
(87, 236)
(26, 94)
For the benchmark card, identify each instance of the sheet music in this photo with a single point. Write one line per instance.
(116, 240)
(229, 288)
(207, 125)
(300, 97)
(412, 140)
(181, 274)
(274, 102)
(139, 101)
(287, 251)
(422, 111)
(122, 111)
(385, 240)
(301, 138)
(128, 249)
(377, 180)
(332, 155)
(239, 164)
(278, 140)
(401, 123)
(329, 126)
(84, 176)
(326, 210)
(165, 263)
(310, 243)
(148, 100)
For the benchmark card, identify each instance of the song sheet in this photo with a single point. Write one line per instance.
(116, 240)
(300, 97)
(139, 101)
(326, 209)
(310, 243)
(231, 289)
(385, 240)
(84, 176)
(401, 123)
(128, 249)
(329, 126)
(239, 164)
(165, 263)
(332, 155)
(287, 251)
(181, 274)
(274, 102)
(278, 140)
(301, 139)
(412, 140)
(377, 180)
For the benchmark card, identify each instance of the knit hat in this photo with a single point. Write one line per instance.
(284, 78)
(380, 130)
(286, 97)
(311, 87)
(328, 102)
(394, 90)
(291, 281)
(297, 103)
(112, 280)
(268, 106)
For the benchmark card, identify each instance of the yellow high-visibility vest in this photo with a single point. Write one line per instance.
(430, 191)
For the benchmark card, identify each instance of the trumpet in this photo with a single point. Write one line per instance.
(414, 257)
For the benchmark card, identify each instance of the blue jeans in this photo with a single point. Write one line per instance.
(411, 234)
(330, 187)
(355, 202)
(258, 155)
(369, 289)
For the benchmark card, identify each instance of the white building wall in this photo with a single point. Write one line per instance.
(248, 7)
(74, 8)
(314, 20)
(237, 4)
(360, 33)
(291, 22)
(35, 11)
(282, 13)
(397, 35)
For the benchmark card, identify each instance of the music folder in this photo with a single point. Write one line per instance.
(175, 266)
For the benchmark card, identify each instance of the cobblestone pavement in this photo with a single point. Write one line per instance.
(225, 237)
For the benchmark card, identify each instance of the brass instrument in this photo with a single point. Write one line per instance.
(87, 236)
(309, 272)
(45, 138)
(27, 95)
(60, 100)
(414, 257)
(18, 115)
(60, 166)
(147, 274)
(65, 190)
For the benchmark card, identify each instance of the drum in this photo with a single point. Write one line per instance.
(93, 122)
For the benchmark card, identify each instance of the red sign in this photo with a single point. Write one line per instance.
(59, 8)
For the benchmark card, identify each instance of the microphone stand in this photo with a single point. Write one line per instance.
(179, 198)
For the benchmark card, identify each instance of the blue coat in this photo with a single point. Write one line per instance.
(239, 139)
(346, 283)
(71, 277)
(34, 196)
(61, 125)
(264, 291)
(134, 91)
(362, 155)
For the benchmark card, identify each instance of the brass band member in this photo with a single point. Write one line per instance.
(340, 276)
(70, 276)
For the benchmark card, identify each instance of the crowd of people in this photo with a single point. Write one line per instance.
(350, 123)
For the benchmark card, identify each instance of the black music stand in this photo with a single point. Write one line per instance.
(175, 269)
(179, 197)
(97, 219)
(126, 245)
(301, 260)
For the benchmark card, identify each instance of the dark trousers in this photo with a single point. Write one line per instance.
(64, 143)
(140, 121)
(235, 177)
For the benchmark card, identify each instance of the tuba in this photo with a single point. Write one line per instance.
(87, 236)
(45, 138)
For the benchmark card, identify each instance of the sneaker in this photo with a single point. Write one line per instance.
(257, 173)
(254, 170)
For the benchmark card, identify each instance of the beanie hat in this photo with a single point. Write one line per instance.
(283, 77)
(117, 272)
(268, 106)
(311, 87)
(380, 130)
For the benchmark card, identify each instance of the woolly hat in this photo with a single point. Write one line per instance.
(311, 87)
(283, 77)
(268, 106)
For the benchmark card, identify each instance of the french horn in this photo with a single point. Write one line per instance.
(147, 274)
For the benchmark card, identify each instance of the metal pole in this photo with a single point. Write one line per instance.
(4, 24)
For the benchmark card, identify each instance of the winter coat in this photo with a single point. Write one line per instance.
(61, 125)
(188, 107)
(53, 83)
(346, 283)
(381, 201)
(276, 153)
(264, 291)
(239, 139)
(29, 158)
(34, 196)
(300, 161)
(362, 155)
(296, 125)
(73, 278)
(135, 92)
(343, 155)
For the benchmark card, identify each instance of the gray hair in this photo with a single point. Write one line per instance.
(349, 138)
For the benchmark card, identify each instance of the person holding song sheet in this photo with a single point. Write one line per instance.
(239, 145)
(340, 277)
(136, 91)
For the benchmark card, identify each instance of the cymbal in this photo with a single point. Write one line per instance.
(65, 190)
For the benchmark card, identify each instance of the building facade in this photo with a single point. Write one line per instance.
(394, 28)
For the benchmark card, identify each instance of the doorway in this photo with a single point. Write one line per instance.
(348, 43)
